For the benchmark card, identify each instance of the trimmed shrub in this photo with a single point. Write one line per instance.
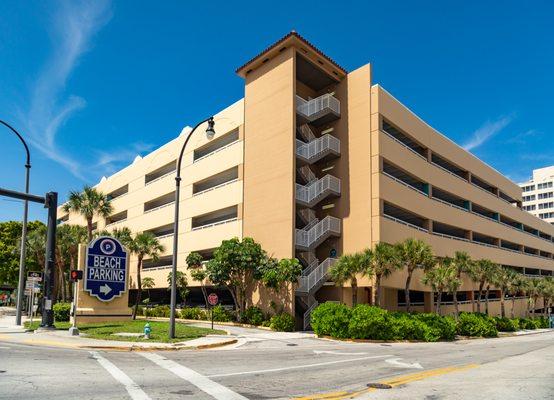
(444, 327)
(158, 312)
(193, 313)
(61, 312)
(543, 322)
(331, 319)
(409, 328)
(529, 323)
(253, 316)
(140, 310)
(221, 314)
(474, 324)
(504, 324)
(369, 322)
(282, 322)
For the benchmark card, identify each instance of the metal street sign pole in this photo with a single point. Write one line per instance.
(23, 250)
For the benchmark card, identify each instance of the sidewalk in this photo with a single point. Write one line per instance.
(11, 333)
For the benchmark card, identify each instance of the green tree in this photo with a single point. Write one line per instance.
(88, 203)
(514, 287)
(198, 272)
(442, 278)
(143, 244)
(502, 280)
(413, 254)
(274, 274)
(481, 272)
(547, 294)
(347, 268)
(236, 265)
(148, 283)
(462, 263)
(383, 260)
(534, 290)
(10, 250)
(182, 284)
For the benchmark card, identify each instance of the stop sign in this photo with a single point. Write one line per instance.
(213, 299)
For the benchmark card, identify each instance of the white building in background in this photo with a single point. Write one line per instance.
(538, 194)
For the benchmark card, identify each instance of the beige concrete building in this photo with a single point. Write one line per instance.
(538, 194)
(316, 162)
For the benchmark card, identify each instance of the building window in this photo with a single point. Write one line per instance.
(530, 197)
(546, 195)
(545, 185)
(528, 188)
(542, 206)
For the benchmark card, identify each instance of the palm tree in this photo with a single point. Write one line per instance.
(36, 245)
(481, 272)
(534, 291)
(346, 269)
(88, 203)
(515, 286)
(144, 244)
(547, 293)
(413, 254)
(383, 261)
(462, 263)
(148, 283)
(442, 278)
(502, 280)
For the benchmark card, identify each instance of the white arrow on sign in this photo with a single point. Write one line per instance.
(105, 289)
(397, 363)
(338, 353)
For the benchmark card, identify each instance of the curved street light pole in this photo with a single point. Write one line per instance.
(210, 133)
(20, 284)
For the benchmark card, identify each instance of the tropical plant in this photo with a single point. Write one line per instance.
(515, 285)
(413, 254)
(181, 283)
(235, 265)
(462, 263)
(383, 261)
(547, 294)
(502, 280)
(143, 244)
(481, 272)
(442, 278)
(534, 290)
(346, 269)
(88, 203)
(148, 283)
(276, 273)
(197, 272)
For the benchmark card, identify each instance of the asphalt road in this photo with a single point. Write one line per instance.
(273, 367)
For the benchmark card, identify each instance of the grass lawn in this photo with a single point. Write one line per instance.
(159, 333)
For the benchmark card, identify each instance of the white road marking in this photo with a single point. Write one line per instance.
(397, 363)
(132, 388)
(202, 382)
(5, 347)
(263, 371)
(338, 353)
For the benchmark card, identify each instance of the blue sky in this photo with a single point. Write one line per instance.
(93, 84)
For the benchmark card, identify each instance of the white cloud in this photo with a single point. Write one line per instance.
(108, 163)
(74, 25)
(486, 131)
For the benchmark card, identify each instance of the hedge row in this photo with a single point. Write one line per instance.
(369, 322)
(252, 316)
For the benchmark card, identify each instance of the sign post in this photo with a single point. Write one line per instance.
(102, 293)
(212, 301)
(75, 276)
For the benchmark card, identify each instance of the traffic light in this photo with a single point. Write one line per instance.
(76, 275)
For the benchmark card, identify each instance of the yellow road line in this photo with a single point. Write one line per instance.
(396, 381)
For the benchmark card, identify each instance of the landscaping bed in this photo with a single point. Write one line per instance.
(365, 322)
(159, 333)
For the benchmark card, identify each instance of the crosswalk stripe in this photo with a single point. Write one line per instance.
(203, 383)
(132, 388)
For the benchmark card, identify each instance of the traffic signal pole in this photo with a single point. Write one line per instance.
(50, 201)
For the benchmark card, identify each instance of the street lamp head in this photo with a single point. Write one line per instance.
(210, 132)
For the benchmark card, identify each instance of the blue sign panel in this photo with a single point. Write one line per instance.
(106, 269)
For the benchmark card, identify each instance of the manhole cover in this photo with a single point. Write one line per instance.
(292, 344)
(379, 386)
(2, 371)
